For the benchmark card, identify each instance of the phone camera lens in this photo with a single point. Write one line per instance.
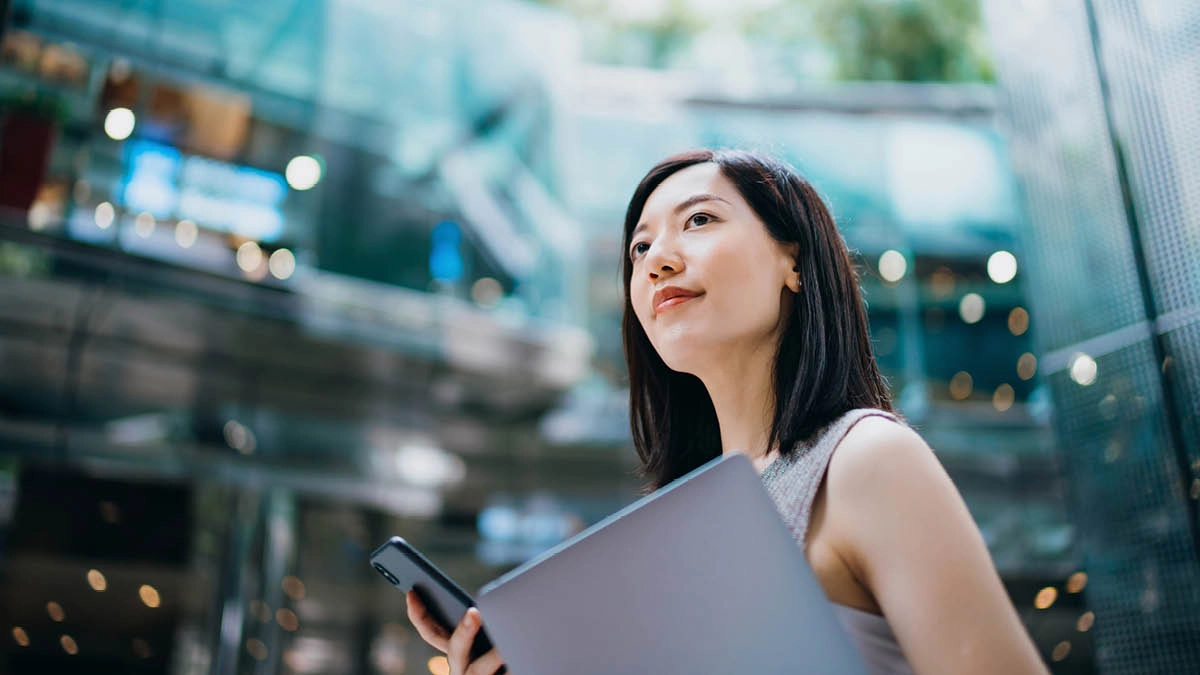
(386, 574)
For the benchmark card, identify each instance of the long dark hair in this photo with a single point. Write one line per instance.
(824, 365)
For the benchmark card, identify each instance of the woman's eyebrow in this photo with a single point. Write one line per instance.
(696, 199)
(690, 201)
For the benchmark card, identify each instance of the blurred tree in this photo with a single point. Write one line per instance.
(905, 40)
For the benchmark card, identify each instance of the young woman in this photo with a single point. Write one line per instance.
(745, 330)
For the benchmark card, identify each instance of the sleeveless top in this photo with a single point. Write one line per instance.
(793, 482)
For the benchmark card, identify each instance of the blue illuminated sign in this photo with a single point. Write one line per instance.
(150, 183)
(445, 260)
(213, 194)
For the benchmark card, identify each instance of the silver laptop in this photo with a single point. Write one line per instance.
(699, 577)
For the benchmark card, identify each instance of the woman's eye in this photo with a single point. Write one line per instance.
(638, 249)
(699, 219)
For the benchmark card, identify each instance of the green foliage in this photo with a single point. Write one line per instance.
(904, 40)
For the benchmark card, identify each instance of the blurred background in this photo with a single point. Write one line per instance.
(281, 279)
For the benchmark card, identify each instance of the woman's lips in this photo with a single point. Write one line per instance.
(673, 302)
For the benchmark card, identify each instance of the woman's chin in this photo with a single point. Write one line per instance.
(688, 347)
(690, 361)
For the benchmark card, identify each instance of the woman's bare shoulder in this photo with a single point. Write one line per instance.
(879, 468)
(873, 429)
(876, 440)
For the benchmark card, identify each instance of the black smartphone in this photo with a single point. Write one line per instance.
(447, 602)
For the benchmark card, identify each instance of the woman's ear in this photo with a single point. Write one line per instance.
(792, 276)
(793, 280)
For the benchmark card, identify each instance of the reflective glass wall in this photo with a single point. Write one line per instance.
(355, 140)
(1104, 130)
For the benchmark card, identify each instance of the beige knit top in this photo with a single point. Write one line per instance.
(793, 482)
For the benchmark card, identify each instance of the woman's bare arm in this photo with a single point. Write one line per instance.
(904, 530)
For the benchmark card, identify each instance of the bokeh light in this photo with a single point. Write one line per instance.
(1045, 597)
(971, 308)
(149, 596)
(287, 620)
(1077, 582)
(892, 266)
(293, 587)
(249, 256)
(69, 645)
(303, 172)
(439, 665)
(1003, 397)
(257, 649)
(144, 225)
(282, 263)
(96, 580)
(239, 437)
(1026, 366)
(1018, 321)
(40, 215)
(104, 215)
(1083, 369)
(961, 385)
(486, 292)
(186, 233)
(20, 636)
(119, 123)
(1002, 267)
(55, 611)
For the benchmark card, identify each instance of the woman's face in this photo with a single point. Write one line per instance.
(707, 277)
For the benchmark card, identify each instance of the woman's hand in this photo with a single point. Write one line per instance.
(457, 645)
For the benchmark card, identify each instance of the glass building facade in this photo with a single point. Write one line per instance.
(1103, 135)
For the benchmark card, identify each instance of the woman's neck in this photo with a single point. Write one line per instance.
(742, 392)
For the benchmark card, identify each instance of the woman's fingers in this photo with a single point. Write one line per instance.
(457, 646)
(459, 651)
(426, 626)
(487, 664)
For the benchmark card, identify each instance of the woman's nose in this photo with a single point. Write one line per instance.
(663, 260)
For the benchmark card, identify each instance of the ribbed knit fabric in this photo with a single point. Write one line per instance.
(793, 482)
